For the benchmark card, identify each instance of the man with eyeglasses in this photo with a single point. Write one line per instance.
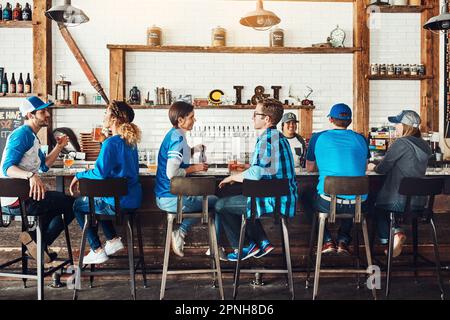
(272, 160)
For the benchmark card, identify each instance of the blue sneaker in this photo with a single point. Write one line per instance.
(265, 248)
(247, 252)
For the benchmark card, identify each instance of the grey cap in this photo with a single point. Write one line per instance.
(289, 117)
(408, 117)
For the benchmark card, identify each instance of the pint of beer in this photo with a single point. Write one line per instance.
(97, 133)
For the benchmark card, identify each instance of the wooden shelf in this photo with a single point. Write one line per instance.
(17, 95)
(249, 50)
(16, 24)
(401, 9)
(372, 77)
(137, 107)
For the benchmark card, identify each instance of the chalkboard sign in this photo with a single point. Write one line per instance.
(10, 119)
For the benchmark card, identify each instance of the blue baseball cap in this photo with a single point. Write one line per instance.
(32, 104)
(340, 111)
(408, 117)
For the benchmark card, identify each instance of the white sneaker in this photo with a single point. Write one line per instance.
(222, 254)
(95, 257)
(178, 242)
(113, 246)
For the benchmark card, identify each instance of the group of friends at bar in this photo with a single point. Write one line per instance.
(338, 151)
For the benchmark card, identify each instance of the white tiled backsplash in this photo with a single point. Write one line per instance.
(394, 39)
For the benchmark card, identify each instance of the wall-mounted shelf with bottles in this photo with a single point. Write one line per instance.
(16, 24)
(103, 106)
(398, 77)
(17, 95)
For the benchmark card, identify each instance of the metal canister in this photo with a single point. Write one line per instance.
(219, 37)
(398, 69)
(406, 70)
(421, 70)
(277, 37)
(154, 36)
(374, 69)
(414, 70)
(390, 69)
(383, 69)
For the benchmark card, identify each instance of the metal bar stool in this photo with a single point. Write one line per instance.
(20, 188)
(111, 188)
(334, 186)
(192, 186)
(262, 189)
(411, 187)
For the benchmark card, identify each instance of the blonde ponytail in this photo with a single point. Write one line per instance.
(130, 133)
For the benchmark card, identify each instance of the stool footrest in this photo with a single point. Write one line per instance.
(192, 271)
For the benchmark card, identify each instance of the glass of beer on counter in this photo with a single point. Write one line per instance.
(97, 133)
(68, 161)
(151, 160)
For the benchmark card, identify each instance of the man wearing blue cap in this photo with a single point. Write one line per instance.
(23, 159)
(337, 152)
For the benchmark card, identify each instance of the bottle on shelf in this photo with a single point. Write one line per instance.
(13, 85)
(28, 84)
(27, 13)
(20, 84)
(7, 12)
(5, 83)
(17, 12)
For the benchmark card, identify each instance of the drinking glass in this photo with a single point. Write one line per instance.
(68, 161)
(151, 160)
(97, 132)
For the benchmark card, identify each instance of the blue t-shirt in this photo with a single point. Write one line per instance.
(174, 146)
(117, 159)
(338, 153)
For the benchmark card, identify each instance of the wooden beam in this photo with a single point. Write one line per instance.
(117, 74)
(429, 88)
(42, 57)
(249, 50)
(361, 38)
(305, 128)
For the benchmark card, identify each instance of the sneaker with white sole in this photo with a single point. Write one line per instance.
(178, 242)
(113, 246)
(95, 257)
(222, 254)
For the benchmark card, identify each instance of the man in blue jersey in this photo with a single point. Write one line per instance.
(23, 159)
(174, 161)
(337, 152)
(272, 160)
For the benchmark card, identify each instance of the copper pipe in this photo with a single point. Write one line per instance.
(82, 61)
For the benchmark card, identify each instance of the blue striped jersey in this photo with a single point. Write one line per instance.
(273, 159)
(174, 146)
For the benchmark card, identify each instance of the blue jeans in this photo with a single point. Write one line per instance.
(383, 220)
(81, 209)
(230, 210)
(345, 228)
(49, 210)
(190, 204)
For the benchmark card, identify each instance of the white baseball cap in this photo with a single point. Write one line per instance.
(32, 104)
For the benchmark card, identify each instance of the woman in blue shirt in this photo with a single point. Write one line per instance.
(118, 158)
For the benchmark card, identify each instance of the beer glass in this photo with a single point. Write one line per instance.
(68, 161)
(97, 133)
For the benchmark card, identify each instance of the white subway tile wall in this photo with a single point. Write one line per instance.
(394, 39)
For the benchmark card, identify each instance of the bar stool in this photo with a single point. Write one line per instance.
(114, 188)
(192, 186)
(411, 187)
(262, 189)
(20, 188)
(334, 186)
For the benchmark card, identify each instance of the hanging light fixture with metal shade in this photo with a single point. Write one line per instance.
(67, 14)
(260, 19)
(440, 22)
